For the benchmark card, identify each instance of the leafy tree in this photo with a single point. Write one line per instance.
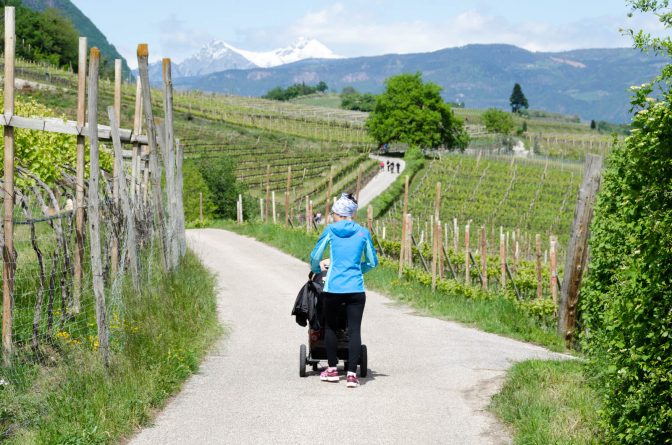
(627, 300)
(294, 91)
(321, 86)
(194, 185)
(413, 112)
(498, 121)
(351, 99)
(593, 125)
(44, 36)
(220, 176)
(518, 100)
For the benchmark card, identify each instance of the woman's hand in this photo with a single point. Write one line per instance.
(324, 264)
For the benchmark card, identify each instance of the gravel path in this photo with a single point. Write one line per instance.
(380, 182)
(429, 382)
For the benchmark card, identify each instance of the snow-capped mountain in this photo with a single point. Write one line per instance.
(303, 49)
(220, 56)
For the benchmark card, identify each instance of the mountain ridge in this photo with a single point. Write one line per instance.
(590, 83)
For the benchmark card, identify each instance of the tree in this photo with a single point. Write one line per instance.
(413, 112)
(351, 99)
(322, 86)
(593, 125)
(498, 121)
(518, 100)
(220, 176)
(626, 307)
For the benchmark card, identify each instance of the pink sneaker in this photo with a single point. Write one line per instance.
(353, 382)
(329, 375)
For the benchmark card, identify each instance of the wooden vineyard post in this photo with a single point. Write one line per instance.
(554, 269)
(537, 242)
(359, 183)
(577, 253)
(135, 156)
(168, 151)
(456, 236)
(467, 251)
(79, 179)
(409, 240)
(94, 208)
(200, 207)
(287, 196)
(8, 198)
(483, 244)
(369, 218)
(179, 194)
(329, 191)
(273, 207)
(404, 228)
(131, 245)
(157, 201)
(436, 246)
(502, 259)
(268, 192)
(307, 211)
(261, 209)
(114, 248)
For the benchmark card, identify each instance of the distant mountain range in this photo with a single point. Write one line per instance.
(85, 27)
(219, 56)
(590, 83)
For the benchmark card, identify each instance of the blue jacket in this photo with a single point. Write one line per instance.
(348, 241)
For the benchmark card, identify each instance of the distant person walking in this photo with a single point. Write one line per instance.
(398, 166)
(382, 166)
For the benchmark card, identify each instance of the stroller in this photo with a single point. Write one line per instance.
(317, 351)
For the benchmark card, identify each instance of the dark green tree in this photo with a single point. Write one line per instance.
(220, 177)
(413, 112)
(518, 100)
(43, 36)
(593, 125)
(627, 300)
(322, 86)
(498, 121)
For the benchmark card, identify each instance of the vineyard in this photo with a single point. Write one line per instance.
(522, 196)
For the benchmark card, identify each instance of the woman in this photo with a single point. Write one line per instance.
(344, 282)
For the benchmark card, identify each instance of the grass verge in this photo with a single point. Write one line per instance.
(165, 332)
(549, 402)
(496, 315)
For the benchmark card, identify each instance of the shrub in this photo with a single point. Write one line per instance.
(220, 177)
(194, 185)
(627, 300)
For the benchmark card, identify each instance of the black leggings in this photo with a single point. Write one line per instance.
(354, 307)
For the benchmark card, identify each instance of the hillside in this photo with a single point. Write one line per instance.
(85, 26)
(592, 84)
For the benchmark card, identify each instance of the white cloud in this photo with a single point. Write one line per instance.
(352, 33)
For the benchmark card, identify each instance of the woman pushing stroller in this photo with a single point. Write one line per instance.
(344, 283)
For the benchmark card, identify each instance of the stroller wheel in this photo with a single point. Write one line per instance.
(363, 362)
(316, 367)
(302, 361)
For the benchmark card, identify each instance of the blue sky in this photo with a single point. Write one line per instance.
(178, 28)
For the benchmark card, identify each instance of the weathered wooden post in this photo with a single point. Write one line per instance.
(502, 259)
(8, 185)
(287, 195)
(200, 206)
(273, 207)
(456, 236)
(94, 207)
(554, 269)
(467, 260)
(436, 247)
(404, 228)
(409, 240)
(537, 241)
(261, 209)
(135, 155)
(308, 221)
(157, 201)
(369, 218)
(268, 192)
(328, 197)
(483, 243)
(577, 253)
(359, 183)
(114, 248)
(168, 151)
(79, 178)
(179, 194)
(131, 245)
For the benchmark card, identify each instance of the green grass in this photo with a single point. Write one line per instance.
(549, 402)
(496, 315)
(320, 100)
(165, 332)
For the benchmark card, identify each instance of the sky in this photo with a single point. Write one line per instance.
(178, 28)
